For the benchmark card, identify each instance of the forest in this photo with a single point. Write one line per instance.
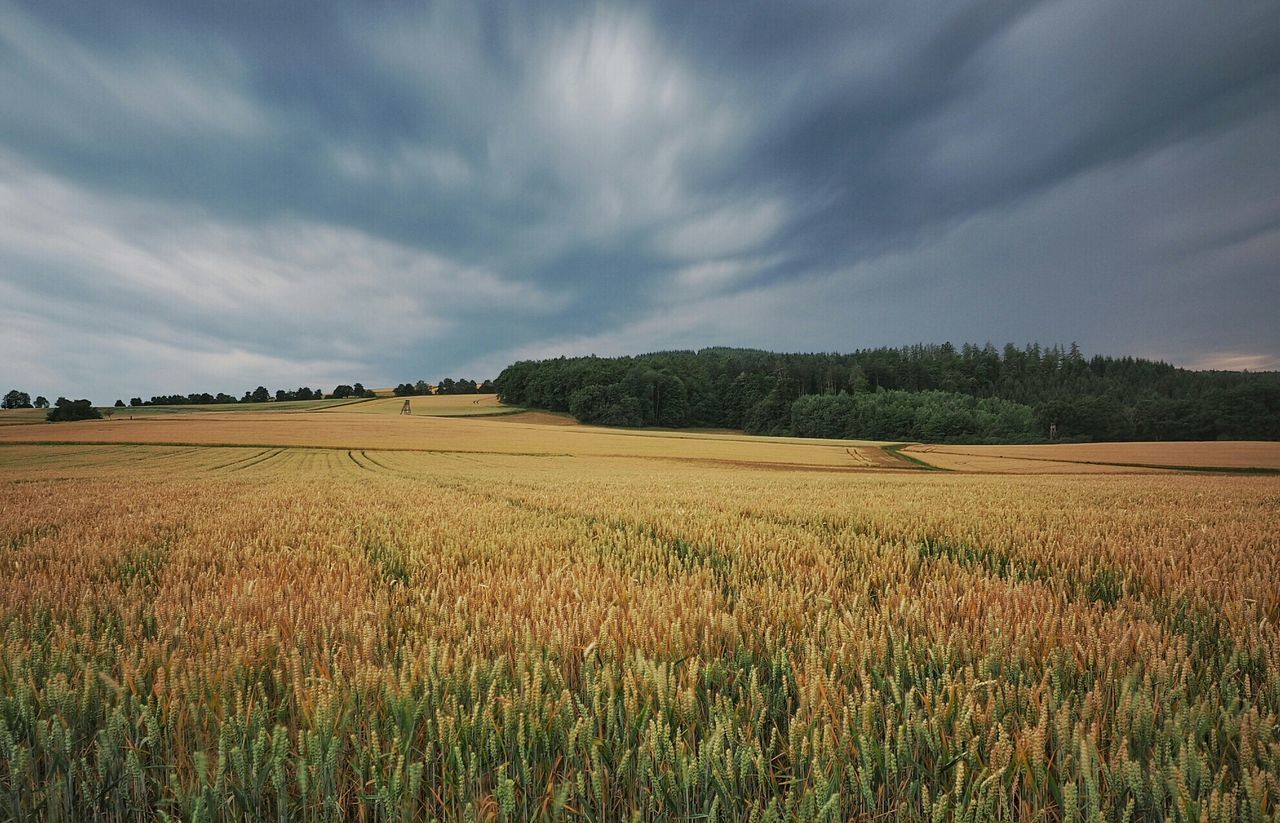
(927, 392)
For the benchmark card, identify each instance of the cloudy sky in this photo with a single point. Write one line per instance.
(212, 196)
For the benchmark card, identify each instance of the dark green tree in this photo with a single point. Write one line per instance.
(1088, 398)
(65, 410)
(16, 400)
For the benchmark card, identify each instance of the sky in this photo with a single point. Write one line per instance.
(213, 196)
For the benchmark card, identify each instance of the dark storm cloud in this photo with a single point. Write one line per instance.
(209, 196)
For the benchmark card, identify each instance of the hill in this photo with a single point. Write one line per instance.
(934, 393)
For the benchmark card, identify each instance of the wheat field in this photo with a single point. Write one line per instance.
(445, 405)
(460, 435)
(281, 632)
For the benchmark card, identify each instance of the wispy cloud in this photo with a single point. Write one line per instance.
(89, 94)
(1235, 361)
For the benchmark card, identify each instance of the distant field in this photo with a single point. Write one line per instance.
(272, 406)
(18, 417)
(454, 423)
(23, 416)
(448, 405)
(943, 457)
(1102, 457)
(349, 429)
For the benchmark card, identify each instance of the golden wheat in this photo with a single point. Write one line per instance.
(246, 633)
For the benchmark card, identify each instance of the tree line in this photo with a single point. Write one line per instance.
(14, 399)
(65, 409)
(259, 395)
(445, 386)
(935, 393)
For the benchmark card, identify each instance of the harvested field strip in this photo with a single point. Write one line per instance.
(1213, 455)
(456, 405)
(994, 464)
(1060, 460)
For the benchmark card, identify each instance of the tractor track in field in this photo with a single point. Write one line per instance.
(258, 462)
(261, 451)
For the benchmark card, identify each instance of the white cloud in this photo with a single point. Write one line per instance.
(593, 127)
(130, 272)
(717, 275)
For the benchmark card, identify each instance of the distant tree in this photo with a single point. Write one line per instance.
(119, 404)
(487, 387)
(281, 395)
(421, 388)
(73, 410)
(42, 402)
(447, 386)
(133, 401)
(16, 400)
(260, 395)
(342, 391)
(358, 390)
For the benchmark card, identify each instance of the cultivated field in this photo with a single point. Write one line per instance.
(271, 407)
(21, 417)
(16, 417)
(351, 430)
(367, 617)
(1203, 455)
(446, 405)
